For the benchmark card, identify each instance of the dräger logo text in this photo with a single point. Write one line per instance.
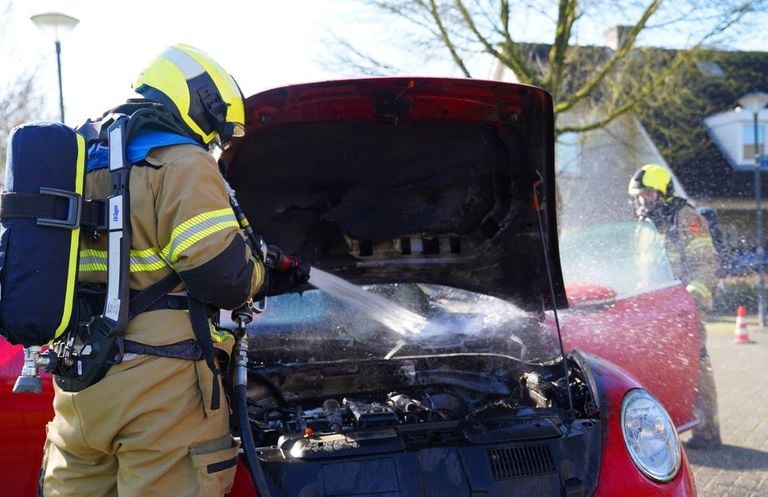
(115, 213)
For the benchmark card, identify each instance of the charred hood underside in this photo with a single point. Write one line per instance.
(427, 181)
(431, 181)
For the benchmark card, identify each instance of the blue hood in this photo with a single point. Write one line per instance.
(138, 148)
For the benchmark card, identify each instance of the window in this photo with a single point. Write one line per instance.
(568, 155)
(748, 141)
(710, 68)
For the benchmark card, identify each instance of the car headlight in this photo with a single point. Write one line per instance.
(650, 436)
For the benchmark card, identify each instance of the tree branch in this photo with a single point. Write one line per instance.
(509, 56)
(446, 39)
(680, 58)
(565, 19)
(589, 86)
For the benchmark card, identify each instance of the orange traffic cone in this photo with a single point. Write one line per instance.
(741, 333)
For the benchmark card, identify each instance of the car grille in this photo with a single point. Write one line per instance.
(517, 462)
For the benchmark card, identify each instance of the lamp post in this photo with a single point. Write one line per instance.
(56, 23)
(755, 102)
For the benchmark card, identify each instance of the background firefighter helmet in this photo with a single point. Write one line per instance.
(651, 178)
(203, 95)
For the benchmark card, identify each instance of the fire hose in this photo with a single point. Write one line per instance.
(242, 316)
(240, 385)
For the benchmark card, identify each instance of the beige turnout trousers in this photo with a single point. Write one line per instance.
(705, 407)
(145, 430)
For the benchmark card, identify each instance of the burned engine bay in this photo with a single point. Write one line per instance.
(454, 424)
(474, 397)
(465, 397)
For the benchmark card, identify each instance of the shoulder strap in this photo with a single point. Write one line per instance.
(143, 114)
(119, 128)
(117, 309)
(144, 299)
(118, 231)
(198, 315)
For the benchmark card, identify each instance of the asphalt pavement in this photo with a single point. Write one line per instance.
(740, 467)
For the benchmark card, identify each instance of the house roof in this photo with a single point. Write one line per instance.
(710, 86)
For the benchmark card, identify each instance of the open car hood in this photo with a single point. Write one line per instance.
(407, 180)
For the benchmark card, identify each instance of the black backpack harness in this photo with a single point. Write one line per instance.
(93, 340)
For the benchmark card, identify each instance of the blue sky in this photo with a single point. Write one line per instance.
(263, 43)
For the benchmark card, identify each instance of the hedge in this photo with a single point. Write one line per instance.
(735, 291)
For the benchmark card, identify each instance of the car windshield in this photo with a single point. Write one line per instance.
(316, 326)
(387, 321)
(628, 258)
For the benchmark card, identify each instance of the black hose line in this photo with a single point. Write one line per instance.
(246, 437)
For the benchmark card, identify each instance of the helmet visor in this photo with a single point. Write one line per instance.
(647, 203)
(238, 131)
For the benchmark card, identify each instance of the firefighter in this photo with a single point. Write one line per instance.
(158, 422)
(692, 254)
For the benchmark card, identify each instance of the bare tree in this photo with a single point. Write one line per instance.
(608, 81)
(20, 101)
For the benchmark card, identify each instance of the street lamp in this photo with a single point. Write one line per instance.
(55, 23)
(755, 102)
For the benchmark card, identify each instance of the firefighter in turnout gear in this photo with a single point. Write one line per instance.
(158, 422)
(692, 254)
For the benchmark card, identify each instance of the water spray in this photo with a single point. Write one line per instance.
(386, 312)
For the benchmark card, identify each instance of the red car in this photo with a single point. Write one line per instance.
(442, 372)
(626, 306)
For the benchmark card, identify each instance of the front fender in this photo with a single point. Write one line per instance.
(618, 473)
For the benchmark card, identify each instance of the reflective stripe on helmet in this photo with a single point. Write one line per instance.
(188, 66)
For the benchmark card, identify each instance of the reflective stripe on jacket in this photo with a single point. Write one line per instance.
(692, 254)
(181, 221)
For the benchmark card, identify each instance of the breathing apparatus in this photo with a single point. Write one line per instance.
(84, 354)
(202, 101)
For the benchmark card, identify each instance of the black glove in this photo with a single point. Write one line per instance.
(284, 272)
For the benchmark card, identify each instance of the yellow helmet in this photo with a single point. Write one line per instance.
(193, 85)
(652, 177)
